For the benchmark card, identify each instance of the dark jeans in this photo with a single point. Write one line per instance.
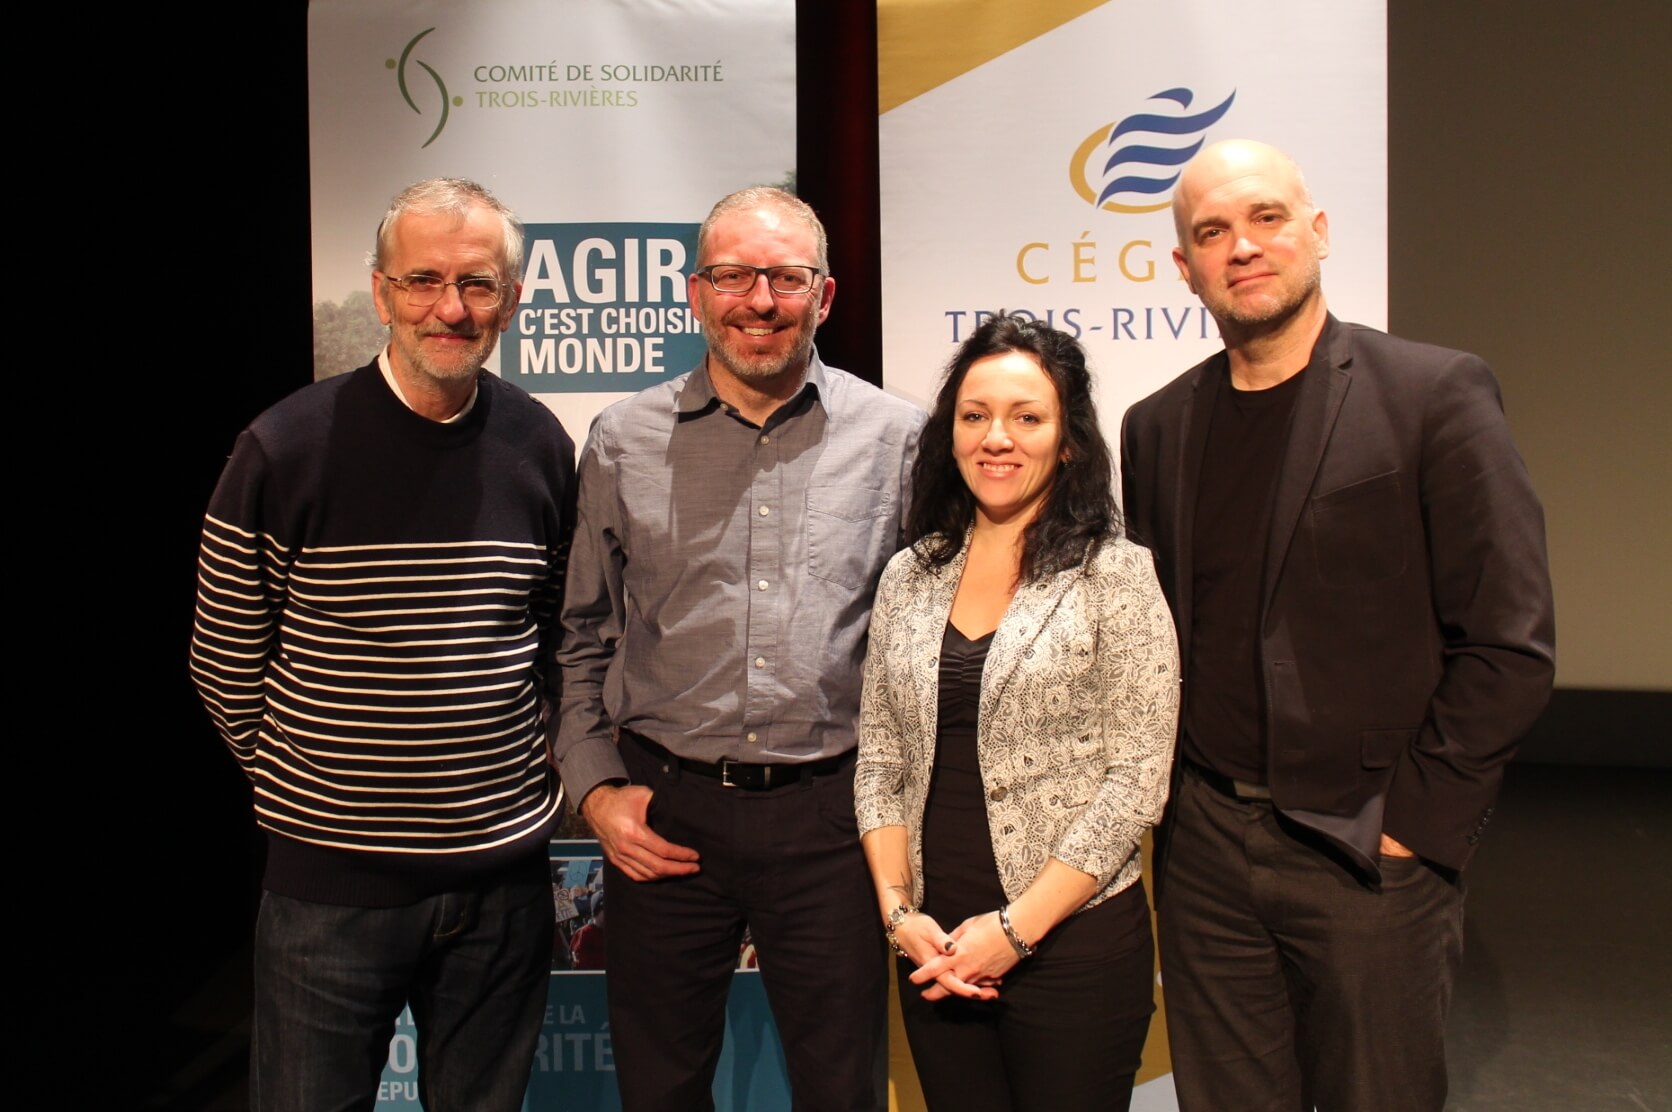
(1289, 982)
(787, 862)
(330, 983)
(1066, 1033)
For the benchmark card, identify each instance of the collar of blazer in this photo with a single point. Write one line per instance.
(1025, 619)
(1328, 378)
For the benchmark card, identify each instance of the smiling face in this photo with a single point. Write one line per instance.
(1007, 435)
(760, 337)
(1249, 239)
(448, 342)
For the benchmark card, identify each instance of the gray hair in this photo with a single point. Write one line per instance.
(767, 196)
(451, 197)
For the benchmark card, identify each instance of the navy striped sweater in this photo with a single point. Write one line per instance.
(376, 620)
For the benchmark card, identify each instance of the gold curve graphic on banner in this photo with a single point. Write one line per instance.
(923, 44)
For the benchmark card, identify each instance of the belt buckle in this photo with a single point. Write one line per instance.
(753, 778)
(750, 777)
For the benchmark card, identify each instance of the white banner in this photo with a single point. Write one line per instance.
(610, 128)
(1028, 156)
(1034, 172)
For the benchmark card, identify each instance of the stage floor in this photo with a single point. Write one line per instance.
(1565, 1000)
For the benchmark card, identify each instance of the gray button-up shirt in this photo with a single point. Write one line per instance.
(720, 581)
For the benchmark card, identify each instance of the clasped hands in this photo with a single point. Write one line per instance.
(970, 962)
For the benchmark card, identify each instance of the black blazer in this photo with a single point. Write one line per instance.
(1406, 633)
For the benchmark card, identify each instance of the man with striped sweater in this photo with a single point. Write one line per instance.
(381, 571)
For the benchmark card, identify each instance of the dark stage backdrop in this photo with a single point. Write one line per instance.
(1528, 164)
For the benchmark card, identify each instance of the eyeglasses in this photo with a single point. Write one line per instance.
(426, 289)
(790, 281)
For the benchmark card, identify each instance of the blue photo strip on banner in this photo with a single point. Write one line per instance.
(574, 1066)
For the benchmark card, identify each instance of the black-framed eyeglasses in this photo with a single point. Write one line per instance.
(426, 289)
(789, 281)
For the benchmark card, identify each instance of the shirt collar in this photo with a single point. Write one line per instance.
(697, 396)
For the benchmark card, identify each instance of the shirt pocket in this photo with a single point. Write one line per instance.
(847, 533)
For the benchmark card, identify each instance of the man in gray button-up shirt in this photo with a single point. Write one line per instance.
(731, 530)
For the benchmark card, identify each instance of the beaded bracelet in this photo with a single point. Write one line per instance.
(895, 918)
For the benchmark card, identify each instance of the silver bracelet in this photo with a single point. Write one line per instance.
(895, 918)
(1023, 950)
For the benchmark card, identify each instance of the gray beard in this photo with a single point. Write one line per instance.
(755, 370)
(423, 368)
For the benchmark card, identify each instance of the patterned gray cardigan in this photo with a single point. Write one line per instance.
(1079, 704)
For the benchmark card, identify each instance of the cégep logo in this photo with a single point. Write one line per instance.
(1104, 168)
(399, 66)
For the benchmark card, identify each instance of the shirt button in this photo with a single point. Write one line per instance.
(760, 662)
(763, 511)
(753, 736)
(761, 586)
(766, 439)
(998, 794)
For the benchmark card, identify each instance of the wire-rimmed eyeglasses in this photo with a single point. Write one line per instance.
(426, 289)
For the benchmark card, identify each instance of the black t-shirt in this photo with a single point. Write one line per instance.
(1247, 432)
(960, 874)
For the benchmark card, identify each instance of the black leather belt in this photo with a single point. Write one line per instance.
(1236, 789)
(738, 774)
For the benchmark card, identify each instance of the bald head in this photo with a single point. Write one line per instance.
(1224, 164)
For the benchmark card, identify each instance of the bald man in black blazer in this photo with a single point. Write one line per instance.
(1355, 558)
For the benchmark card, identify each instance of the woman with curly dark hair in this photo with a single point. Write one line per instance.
(1016, 726)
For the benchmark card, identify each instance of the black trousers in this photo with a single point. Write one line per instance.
(1288, 982)
(787, 863)
(1066, 1033)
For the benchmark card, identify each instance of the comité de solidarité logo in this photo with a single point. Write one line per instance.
(1121, 166)
(401, 76)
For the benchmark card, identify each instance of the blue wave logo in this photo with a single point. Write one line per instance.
(1120, 165)
(447, 103)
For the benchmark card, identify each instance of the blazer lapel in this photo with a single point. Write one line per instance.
(1193, 444)
(1023, 623)
(1316, 408)
(931, 607)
